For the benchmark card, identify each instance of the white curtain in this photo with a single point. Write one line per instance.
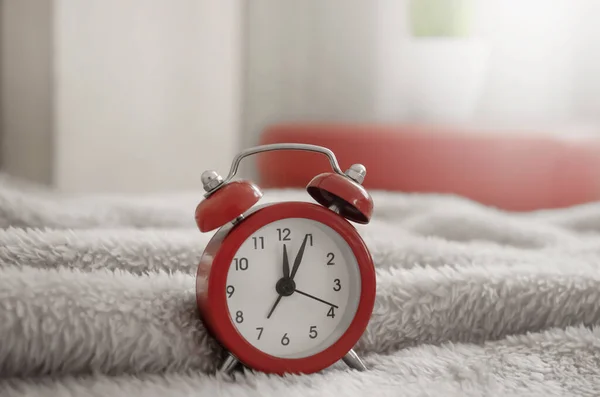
(545, 64)
(348, 60)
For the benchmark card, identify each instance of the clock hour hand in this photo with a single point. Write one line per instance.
(315, 298)
(286, 263)
(286, 276)
(298, 259)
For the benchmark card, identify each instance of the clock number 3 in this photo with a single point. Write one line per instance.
(337, 286)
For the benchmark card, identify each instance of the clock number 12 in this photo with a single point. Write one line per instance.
(284, 234)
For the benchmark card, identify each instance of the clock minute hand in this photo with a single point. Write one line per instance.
(298, 259)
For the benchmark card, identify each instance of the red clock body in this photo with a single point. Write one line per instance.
(290, 288)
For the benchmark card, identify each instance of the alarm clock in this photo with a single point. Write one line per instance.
(286, 287)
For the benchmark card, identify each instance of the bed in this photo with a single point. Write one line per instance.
(97, 297)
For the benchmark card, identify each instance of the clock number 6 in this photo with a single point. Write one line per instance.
(285, 340)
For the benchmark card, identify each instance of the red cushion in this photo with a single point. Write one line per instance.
(515, 172)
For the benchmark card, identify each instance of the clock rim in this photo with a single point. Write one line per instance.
(212, 280)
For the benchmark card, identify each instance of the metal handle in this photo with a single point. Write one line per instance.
(212, 181)
(282, 146)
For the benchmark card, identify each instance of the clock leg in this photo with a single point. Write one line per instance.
(353, 361)
(228, 366)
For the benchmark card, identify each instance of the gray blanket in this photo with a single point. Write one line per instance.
(97, 298)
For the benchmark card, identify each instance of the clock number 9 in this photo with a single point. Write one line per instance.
(241, 263)
(230, 290)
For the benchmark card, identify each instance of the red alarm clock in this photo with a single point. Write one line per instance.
(286, 287)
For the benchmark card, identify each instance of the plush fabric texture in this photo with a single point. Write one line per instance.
(97, 298)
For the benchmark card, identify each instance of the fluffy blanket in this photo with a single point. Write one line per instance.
(97, 298)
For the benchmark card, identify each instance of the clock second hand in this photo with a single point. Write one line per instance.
(274, 306)
(315, 298)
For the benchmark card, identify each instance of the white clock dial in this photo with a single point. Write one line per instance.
(300, 318)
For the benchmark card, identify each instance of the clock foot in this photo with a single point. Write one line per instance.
(229, 365)
(353, 361)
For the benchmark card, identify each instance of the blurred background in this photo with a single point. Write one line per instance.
(495, 100)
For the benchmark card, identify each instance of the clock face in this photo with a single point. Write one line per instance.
(293, 288)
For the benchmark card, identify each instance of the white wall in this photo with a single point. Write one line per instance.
(351, 61)
(147, 93)
(120, 95)
(138, 95)
(26, 84)
(308, 60)
(533, 60)
(586, 73)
